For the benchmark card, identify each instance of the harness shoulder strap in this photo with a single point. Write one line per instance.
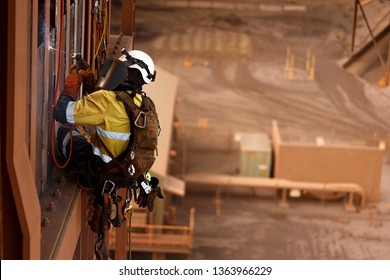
(127, 100)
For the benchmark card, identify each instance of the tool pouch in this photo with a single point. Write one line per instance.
(115, 218)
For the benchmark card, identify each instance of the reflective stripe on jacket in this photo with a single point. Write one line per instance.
(108, 115)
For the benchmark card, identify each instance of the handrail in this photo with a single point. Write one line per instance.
(178, 240)
(162, 227)
(222, 180)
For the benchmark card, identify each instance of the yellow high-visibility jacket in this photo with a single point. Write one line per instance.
(108, 114)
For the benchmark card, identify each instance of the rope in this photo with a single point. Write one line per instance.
(102, 37)
(101, 251)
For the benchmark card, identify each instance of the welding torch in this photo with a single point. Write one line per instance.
(81, 64)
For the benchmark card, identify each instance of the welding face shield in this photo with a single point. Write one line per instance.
(112, 74)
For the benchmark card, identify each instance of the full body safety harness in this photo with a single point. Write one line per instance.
(107, 210)
(108, 214)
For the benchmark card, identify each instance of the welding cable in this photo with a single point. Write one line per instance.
(102, 37)
(56, 96)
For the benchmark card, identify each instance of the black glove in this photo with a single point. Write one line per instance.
(81, 64)
(156, 191)
(142, 197)
(147, 200)
(86, 72)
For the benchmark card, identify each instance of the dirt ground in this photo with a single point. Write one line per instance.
(231, 65)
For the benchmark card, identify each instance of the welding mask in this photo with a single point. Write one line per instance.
(112, 74)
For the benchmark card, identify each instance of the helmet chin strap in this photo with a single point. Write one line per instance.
(134, 76)
(129, 87)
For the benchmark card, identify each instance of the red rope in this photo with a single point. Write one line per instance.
(56, 96)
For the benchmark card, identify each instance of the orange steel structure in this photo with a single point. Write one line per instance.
(31, 227)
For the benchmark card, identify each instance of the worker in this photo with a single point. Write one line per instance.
(102, 109)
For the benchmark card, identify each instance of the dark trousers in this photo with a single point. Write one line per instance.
(91, 171)
(81, 148)
(82, 161)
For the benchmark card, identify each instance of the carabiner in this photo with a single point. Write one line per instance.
(105, 184)
(136, 120)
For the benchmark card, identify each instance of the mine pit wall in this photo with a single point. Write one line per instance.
(329, 164)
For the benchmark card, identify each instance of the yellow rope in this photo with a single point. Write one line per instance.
(101, 39)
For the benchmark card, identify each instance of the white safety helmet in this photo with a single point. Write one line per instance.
(141, 61)
(115, 71)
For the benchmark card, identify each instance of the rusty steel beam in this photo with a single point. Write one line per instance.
(387, 74)
(128, 17)
(68, 239)
(372, 35)
(87, 237)
(33, 91)
(17, 156)
(354, 26)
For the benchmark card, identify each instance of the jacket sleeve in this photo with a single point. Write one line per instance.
(89, 110)
(60, 110)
